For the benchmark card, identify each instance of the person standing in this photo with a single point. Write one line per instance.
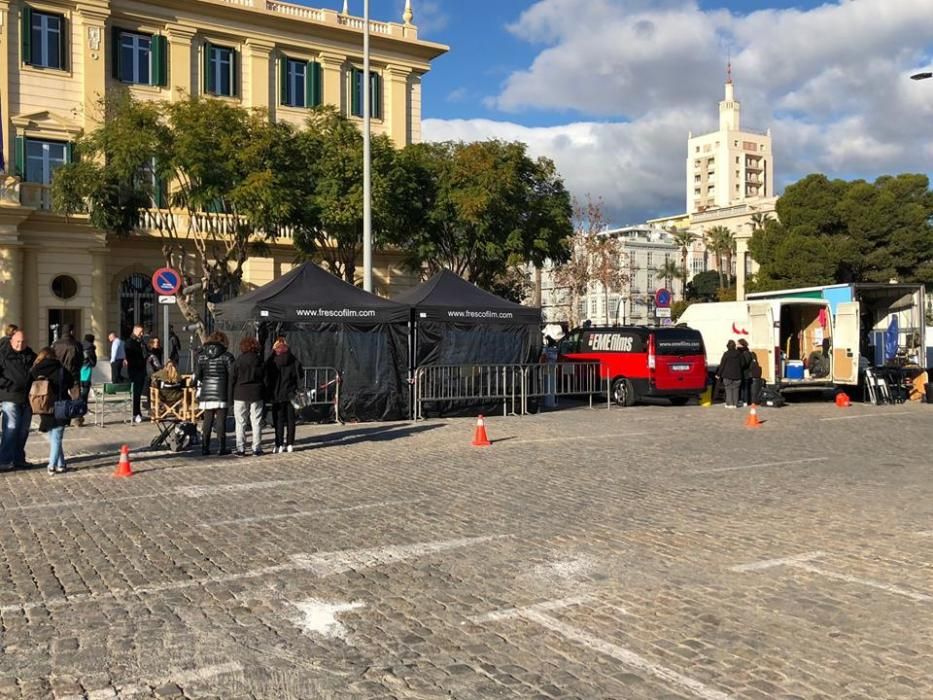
(60, 382)
(16, 360)
(248, 389)
(214, 377)
(746, 387)
(87, 370)
(8, 332)
(283, 377)
(117, 358)
(174, 345)
(68, 351)
(730, 372)
(135, 352)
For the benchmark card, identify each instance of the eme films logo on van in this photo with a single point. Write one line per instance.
(611, 342)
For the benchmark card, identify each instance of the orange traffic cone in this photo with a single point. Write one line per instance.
(480, 438)
(842, 400)
(124, 468)
(752, 420)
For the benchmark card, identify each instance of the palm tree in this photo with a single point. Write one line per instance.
(668, 272)
(721, 242)
(683, 238)
(760, 221)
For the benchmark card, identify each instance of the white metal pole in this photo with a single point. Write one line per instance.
(367, 162)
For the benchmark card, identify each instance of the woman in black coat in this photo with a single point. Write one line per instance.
(248, 392)
(60, 381)
(283, 378)
(213, 374)
(731, 370)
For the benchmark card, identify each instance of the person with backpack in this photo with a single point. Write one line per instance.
(87, 369)
(214, 376)
(283, 377)
(68, 351)
(51, 382)
(16, 359)
(248, 390)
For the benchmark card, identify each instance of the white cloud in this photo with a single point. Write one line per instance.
(831, 82)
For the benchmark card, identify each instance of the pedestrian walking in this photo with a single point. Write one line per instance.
(117, 358)
(135, 352)
(248, 390)
(214, 377)
(730, 372)
(16, 360)
(283, 377)
(54, 383)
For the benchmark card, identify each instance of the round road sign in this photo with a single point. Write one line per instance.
(166, 281)
(662, 298)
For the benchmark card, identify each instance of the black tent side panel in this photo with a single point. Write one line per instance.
(475, 344)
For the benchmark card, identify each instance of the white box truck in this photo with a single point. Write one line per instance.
(783, 333)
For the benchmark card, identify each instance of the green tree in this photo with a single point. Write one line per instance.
(668, 272)
(683, 238)
(483, 208)
(704, 286)
(833, 231)
(721, 242)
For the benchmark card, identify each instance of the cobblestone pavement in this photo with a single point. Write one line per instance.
(653, 552)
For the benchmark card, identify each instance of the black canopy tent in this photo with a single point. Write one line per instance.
(329, 323)
(457, 323)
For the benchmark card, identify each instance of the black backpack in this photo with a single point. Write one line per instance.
(182, 436)
(771, 397)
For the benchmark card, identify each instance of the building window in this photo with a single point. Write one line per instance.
(140, 59)
(696, 178)
(220, 70)
(64, 287)
(150, 180)
(43, 37)
(42, 158)
(302, 83)
(356, 94)
(698, 149)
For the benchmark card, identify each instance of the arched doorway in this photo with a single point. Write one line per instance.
(137, 305)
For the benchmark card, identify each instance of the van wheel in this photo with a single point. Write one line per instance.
(679, 400)
(623, 393)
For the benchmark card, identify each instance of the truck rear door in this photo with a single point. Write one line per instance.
(846, 343)
(762, 340)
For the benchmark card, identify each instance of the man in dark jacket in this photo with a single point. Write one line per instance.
(68, 351)
(730, 372)
(174, 345)
(135, 350)
(15, 362)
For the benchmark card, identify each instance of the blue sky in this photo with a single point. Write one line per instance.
(610, 88)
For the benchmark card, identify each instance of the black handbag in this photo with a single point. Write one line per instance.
(68, 409)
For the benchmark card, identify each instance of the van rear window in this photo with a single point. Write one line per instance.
(679, 342)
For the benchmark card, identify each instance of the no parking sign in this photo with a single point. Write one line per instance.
(166, 281)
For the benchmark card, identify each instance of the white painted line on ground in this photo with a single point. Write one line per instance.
(536, 614)
(329, 563)
(179, 677)
(303, 513)
(896, 590)
(771, 563)
(321, 564)
(546, 606)
(600, 438)
(319, 617)
(790, 462)
(884, 414)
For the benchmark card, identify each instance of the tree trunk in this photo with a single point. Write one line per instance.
(536, 298)
(606, 303)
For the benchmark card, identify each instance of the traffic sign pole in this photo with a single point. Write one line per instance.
(166, 282)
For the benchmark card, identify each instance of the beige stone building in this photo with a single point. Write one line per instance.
(59, 57)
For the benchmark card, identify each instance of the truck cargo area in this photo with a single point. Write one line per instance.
(803, 328)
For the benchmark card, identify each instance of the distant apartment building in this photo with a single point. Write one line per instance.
(60, 57)
(644, 251)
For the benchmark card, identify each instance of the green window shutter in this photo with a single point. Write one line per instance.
(20, 156)
(26, 33)
(115, 57)
(159, 69)
(160, 192)
(208, 73)
(375, 96)
(356, 93)
(283, 80)
(70, 152)
(315, 89)
(63, 44)
(234, 73)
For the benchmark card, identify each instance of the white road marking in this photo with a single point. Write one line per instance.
(180, 677)
(318, 617)
(536, 614)
(808, 460)
(600, 438)
(896, 590)
(322, 564)
(329, 563)
(771, 563)
(303, 513)
(882, 414)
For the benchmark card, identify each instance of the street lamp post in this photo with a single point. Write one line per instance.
(367, 161)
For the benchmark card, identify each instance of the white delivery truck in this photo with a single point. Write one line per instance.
(783, 333)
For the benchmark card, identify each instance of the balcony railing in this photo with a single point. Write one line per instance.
(325, 16)
(35, 195)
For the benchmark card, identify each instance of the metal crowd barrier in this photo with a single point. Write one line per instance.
(557, 379)
(322, 388)
(470, 383)
(513, 385)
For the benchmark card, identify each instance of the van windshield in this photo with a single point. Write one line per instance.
(679, 342)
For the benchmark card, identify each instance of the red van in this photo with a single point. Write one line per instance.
(642, 362)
